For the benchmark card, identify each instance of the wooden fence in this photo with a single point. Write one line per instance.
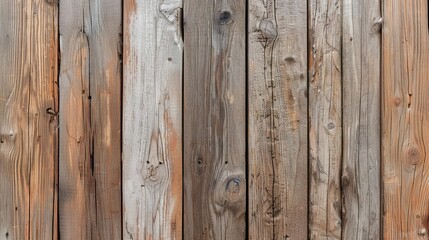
(214, 119)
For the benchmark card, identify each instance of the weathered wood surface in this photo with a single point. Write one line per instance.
(214, 119)
(90, 125)
(361, 120)
(28, 95)
(277, 66)
(405, 119)
(152, 147)
(325, 126)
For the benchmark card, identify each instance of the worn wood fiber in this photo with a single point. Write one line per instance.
(325, 123)
(214, 119)
(277, 101)
(361, 119)
(405, 119)
(152, 115)
(28, 97)
(90, 124)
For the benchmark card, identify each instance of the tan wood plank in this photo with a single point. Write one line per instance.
(325, 130)
(361, 119)
(28, 70)
(214, 119)
(152, 145)
(277, 119)
(405, 119)
(90, 129)
(43, 120)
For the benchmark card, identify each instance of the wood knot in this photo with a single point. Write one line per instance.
(422, 232)
(397, 101)
(224, 17)
(267, 29)
(234, 188)
(378, 24)
(413, 155)
(331, 126)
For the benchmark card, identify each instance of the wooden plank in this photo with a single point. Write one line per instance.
(277, 119)
(28, 70)
(15, 72)
(152, 146)
(214, 119)
(43, 120)
(90, 128)
(405, 119)
(361, 120)
(325, 130)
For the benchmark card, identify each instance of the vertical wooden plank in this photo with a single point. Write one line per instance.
(43, 121)
(28, 93)
(214, 119)
(152, 146)
(89, 190)
(361, 120)
(405, 119)
(325, 126)
(278, 119)
(15, 77)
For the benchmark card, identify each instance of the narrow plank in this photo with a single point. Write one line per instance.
(278, 165)
(214, 119)
(152, 145)
(405, 119)
(15, 76)
(43, 120)
(325, 130)
(361, 119)
(90, 129)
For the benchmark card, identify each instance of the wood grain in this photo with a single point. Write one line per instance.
(325, 123)
(152, 145)
(28, 70)
(90, 125)
(214, 119)
(277, 141)
(405, 119)
(361, 120)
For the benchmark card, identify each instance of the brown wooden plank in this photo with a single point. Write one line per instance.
(28, 70)
(43, 120)
(277, 119)
(152, 146)
(90, 129)
(214, 119)
(325, 130)
(405, 119)
(361, 120)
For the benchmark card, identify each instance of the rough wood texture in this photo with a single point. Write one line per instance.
(277, 119)
(152, 147)
(90, 128)
(361, 120)
(325, 126)
(405, 119)
(214, 119)
(28, 96)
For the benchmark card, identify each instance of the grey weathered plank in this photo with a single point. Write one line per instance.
(152, 146)
(405, 119)
(90, 128)
(325, 126)
(277, 119)
(28, 70)
(361, 120)
(214, 119)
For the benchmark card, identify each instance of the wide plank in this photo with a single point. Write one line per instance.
(90, 120)
(405, 119)
(325, 122)
(214, 119)
(152, 120)
(277, 124)
(28, 102)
